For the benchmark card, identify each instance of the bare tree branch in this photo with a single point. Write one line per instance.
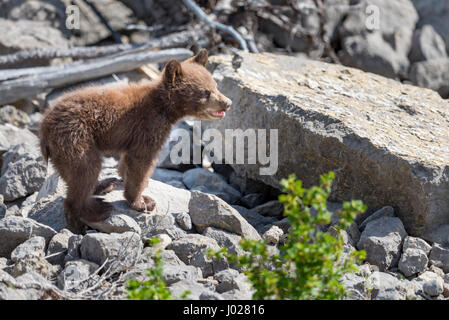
(228, 29)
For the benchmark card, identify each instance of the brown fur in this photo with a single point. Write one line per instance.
(132, 121)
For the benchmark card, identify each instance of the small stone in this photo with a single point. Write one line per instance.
(121, 250)
(116, 223)
(382, 240)
(172, 274)
(58, 247)
(416, 243)
(14, 116)
(384, 286)
(208, 182)
(272, 235)
(76, 275)
(184, 221)
(434, 287)
(207, 210)
(16, 230)
(73, 248)
(231, 279)
(33, 247)
(192, 251)
(413, 261)
(225, 239)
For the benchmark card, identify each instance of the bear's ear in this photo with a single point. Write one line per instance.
(201, 57)
(173, 72)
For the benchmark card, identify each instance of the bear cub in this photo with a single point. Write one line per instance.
(131, 121)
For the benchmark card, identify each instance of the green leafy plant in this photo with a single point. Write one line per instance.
(154, 287)
(311, 262)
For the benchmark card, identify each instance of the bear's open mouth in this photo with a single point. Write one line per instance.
(217, 114)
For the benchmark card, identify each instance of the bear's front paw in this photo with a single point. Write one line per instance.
(145, 204)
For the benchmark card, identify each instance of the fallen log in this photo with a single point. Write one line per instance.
(57, 76)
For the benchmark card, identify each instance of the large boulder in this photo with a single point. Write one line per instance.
(387, 142)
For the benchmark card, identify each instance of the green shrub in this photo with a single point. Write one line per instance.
(154, 287)
(311, 262)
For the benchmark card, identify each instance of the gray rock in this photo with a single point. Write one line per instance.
(427, 45)
(22, 177)
(33, 287)
(431, 283)
(17, 151)
(434, 13)
(11, 135)
(33, 247)
(122, 250)
(192, 251)
(252, 200)
(16, 230)
(384, 286)
(413, 261)
(34, 264)
(184, 221)
(273, 235)
(271, 209)
(203, 180)
(355, 286)
(14, 116)
(196, 290)
(386, 211)
(382, 241)
(167, 175)
(259, 222)
(26, 34)
(416, 243)
(372, 53)
(116, 223)
(431, 74)
(207, 210)
(53, 184)
(73, 248)
(172, 274)
(439, 256)
(77, 275)
(314, 102)
(49, 211)
(58, 247)
(231, 279)
(225, 239)
(392, 36)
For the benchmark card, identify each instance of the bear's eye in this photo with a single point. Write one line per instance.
(206, 94)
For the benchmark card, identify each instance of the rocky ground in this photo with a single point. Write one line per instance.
(387, 143)
(197, 209)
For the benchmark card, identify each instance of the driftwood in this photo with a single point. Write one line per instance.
(174, 40)
(228, 29)
(32, 83)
